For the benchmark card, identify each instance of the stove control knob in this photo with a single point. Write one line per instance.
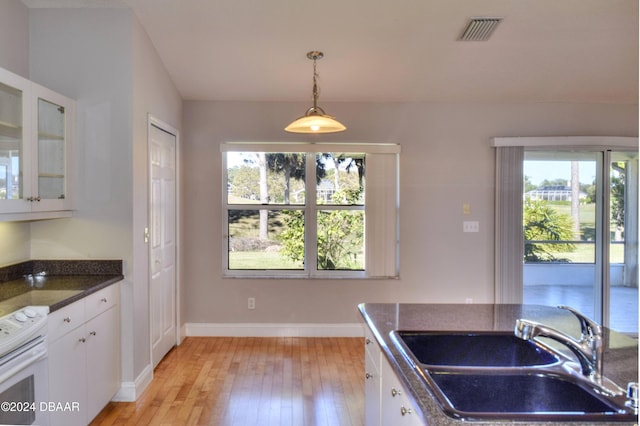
(20, 317)
(30, 313)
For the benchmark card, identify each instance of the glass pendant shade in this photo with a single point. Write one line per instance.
(315, 121)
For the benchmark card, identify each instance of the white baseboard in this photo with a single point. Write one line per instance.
(274, 330)
(130, 391)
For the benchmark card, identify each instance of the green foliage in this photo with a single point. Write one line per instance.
(543, 223)
(340, 235)
(292, 236)
(554, 182)
(245, 182)
(528, 186)
(617, 194)
(590, 190)
(340, 239)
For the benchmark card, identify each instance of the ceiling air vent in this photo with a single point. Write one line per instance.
(479, 29)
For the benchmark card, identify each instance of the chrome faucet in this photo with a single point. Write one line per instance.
(588, 349)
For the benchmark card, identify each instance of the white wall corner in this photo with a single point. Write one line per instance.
(130, 391)
(274, 330)
(182, 333)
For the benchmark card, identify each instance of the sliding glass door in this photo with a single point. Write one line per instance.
(580, 214)
(620, 295)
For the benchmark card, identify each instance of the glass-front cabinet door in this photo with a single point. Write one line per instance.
(14, 114)
(50, 156)
(36, 127)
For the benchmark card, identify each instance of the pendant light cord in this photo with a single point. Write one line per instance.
(315, 86)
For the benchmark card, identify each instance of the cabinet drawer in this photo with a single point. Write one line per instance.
(66, 319)
(101, 301)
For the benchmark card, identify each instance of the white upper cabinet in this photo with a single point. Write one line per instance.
(36, 134)
(53, 128)
(15, 112)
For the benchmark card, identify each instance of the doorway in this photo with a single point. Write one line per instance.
(162, 238)
(580, 215)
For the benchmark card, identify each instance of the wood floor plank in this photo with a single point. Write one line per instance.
(240, 381)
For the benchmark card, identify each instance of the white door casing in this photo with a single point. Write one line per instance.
(162, 239)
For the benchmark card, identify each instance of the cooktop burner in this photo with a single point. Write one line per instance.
(22, 326)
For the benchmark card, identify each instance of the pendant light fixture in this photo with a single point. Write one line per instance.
(315, 120)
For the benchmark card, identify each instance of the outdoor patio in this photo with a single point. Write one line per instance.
(624, 302)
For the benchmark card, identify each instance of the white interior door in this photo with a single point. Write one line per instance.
(162, 241)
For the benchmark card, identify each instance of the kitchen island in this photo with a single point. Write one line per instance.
(620, 358)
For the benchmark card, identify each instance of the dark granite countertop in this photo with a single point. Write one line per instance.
(55, 283)
(620, 356)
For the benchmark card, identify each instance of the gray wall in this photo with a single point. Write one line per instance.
(446, 162)
(14, 37)
(14, 56)
(104, 60)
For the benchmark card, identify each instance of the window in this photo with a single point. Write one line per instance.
(310, 210)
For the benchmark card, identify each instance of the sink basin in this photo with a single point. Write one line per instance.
(477, 349)
(520, 397)
(498, 376)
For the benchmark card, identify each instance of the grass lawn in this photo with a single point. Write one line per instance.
(260, 260)
(584, 253)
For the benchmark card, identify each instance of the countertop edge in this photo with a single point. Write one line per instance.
(85, 293)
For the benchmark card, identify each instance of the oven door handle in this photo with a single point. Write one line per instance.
(33, 355)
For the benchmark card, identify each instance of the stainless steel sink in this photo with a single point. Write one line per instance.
(521, 397)
(486, 349)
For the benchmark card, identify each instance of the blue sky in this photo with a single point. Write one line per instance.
(541, 170)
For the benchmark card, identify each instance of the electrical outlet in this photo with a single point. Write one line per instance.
(251, 303)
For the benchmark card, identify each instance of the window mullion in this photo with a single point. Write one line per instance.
(311, 217)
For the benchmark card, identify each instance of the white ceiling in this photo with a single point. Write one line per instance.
(386, 50)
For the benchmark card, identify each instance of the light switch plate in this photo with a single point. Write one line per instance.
(470, 226)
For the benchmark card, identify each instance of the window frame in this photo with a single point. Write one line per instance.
(311, 208)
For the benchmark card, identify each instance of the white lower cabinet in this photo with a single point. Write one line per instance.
(386, 400)
(372, 382)
(84, 357)
(397, 408)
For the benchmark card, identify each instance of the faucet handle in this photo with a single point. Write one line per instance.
(589, 327)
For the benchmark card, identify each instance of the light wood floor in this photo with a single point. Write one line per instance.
(251, 382)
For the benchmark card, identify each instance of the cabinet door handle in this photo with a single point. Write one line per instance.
(67, 319)
(92, 333)
(104, 299)
(82, 340)
(367, 376)
(367, 341)
(404, 411)
(395, 392)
